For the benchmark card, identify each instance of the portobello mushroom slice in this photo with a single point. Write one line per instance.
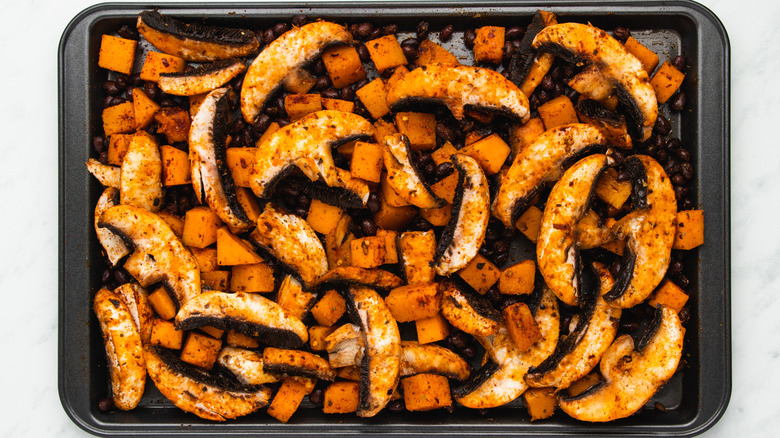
(538, 164)
(246, 365)
(140, 180)
(463, 236)
(582, 43)
(650, 230)
(419, 358)
(247, 313)
(354, 276)
(113, 244)
(307, 144)
(403, 173)
(580, 351)
(207, 395)
(153, 236)
(557, 252)
(297, 363)
(206, 78)
(631, 375)
(123, 348)
(458, 87)
(211, 177)
(468, 311)
(137, 302)
(143, 268)
(611, 124)
(525, 56)
(286, 54)
(108, 176)
(194, 41)
(292, 241)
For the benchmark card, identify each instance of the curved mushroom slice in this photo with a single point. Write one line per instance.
(468, 311)
(194, 41)
(381, 366)
(458, 87)
(123, 348)
(197, 391)
(539, 163)
(581, 43)
(143, 268)
(650, 230)
(557, 253)
(211, 177)
(403, 173)
(152, 235)
(248, 313)
(611, 124)
(137, 302)
(502, 382)
(463, 236)
(592, 84)
(354, 276)
(432, 359)
(246, 365)
(297, 363)
(107, 175)
(580, 351)
(307, 144)
(114, 245)
(290, 52)
(292, 241)
(140, 180)
(631, 376)
(206, 78)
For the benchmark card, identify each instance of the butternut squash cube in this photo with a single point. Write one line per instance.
(521, 325)
(647, 57)
(419, 128)
(417, 249)
(215, 280)
(669, 294)
(666, 81)
(317, 334)
(489, 44)
(521, 136)
(200, 350)
(164, 334)
(374, 97)
(248, 202)
(518, 279)
(117, 54)
(445, 188)
(273, 127)
(143, 108)
(424, 392)
(175, 222)
(174, 123)
(389, 195)
(323, 217)
(557, 112)
(287, 399)
(299, 105)
(386, 53)
(433, 329)
(394, 218)
(398, 73)
(443, 153)
(341, 397)
(257, 277)
(329, 309)
(490, 152)
(233, 251)
(473, 137)
(119, 119)
(366, 161)
(690, 229)
(530, 222)
(200, 227)
(391, 251)
(540, 402)
(583, 384)
(293, 299)
(240, 162)
(481, 274)
(414, 302)
(162, 303)
(349, 373)
(383, 129)
(610, 190)
(212, 331)
(343, 66)
(299, 81)
(536, 73)
(438, 217)
(236, 339)
(175, 166)
(156, 63)
(368, 252)
(206, 258)
(117, 148)
(338, 105)
(431, 53)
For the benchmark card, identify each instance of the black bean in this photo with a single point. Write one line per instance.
(679, 62)
(685, 315)
(353, 28)
(111, 88)
(683, 154)
(568, 72)
(136, 80)
(360, 84)
(662, 125)
(390, 29)
(376, 33)
(122, 81)
(237, 126)
(446, 33)
(443, 169)
(678, 102)
(105, 276)
(468, 38)
(556, 73)
(681, 280)
(299, 20)
(409, 52)
(622, 33)
(280, 28)
(128, 32)
(659, 141)
(547, 83)
(458, 340)
(99, 144)
(167, 102)
(319, 68)
(368, 226)
(494, 295)
(618, 156)
(572, 94)
(622, 176)
(362, 50)
(558, 89)
(680, 192)
(121, 276)
(271, 110)
(364, 29)
(501, 246)
(105, 404)
(514, 33)
(444, 132)
(262, 122)
(509, 50)
(396, 405)
(544, 96)
(322, 83)
(430, 169)
(304, 200)
(509, 300)
(687, 170)
(373, 203)
(468, 352)
(675, 266)
(687, 204)
(661, 155)
(331, 93)
(678, 179)
(486, 251)
(347, 93)
(615, 267)
(317, 396)
(268, 36)
(673, 143)
(302, 212)
(423, 28)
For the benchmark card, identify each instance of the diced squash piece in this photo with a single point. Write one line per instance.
(317, 334)
(433, 329)
(420, 128)
(445, 188)
(424, 392)
(117, 54)
(398, 73)
(666, 81)
(273, 127)
(480, 273)
(236, 339)
(473, 137)
(540, 402)
(583, 384)
(368, 252)
(530, 222)
(537, 72)
(349, 373)
(200, 350)
(233, 251)
(347, 149)
(394, 218)
(690, 229)
(414, 302)
(323, 217)
(383, 129)
(329, 309)
(156, 63)
(417, 249)
(299, 105)
(293, 299)
(287, 399)
(525, 134)
(215, 280)
(374, 97)
(610, 190)
(206, 258)
(240, 161)
(119, 119)
(117, 148)
(431, 53)
(162, 303)
(647, 57)
(389, 195)
(164, 334)
(299, 81)
(521, 325)
(343, 66)
(438, 217)
(174, 123)
(670, 295)
(490, 152)
(443, 154)
(489, 44)
(200, 227)
(175, 222)
(386, 53)
(212, 331)
(557, 112)
(341, 398)
(518, 279)
(175, 166)
(257, 277)
(366, 161)
(248, 202)
(391, 251)
(143, 108)
(345, 106)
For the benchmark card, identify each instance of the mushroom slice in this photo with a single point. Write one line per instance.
(192, 389)
(381, 365)
(458, 87)
(307, 144)
(153, 236)
(582, 43)
(503, 381)
(403, 173)
(140, 181)
(297, 363)
(194, 41)
(292, 241)
(631, 375)
(211, 177)
(650, 230)
(525, 56)
(123, 348)
(143, 268)
(206, 78)
(114, 246)
(580, 351)
(557, 252)
(345, 346)
(137, 302)
(107, 175)
(352, 275)
(290, 52)
(540, 163)
(419, 358)
(592, 84)
(463, 236)
(611, 124)
(247, 313)
(246, 365)
(469, 312)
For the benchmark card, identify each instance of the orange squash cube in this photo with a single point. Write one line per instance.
(383, 129)
(293, 299)
(175, 222)
(521, 136)
(666, 81)
(329, 309)
(248, 202)
(240, 162)
(398, 73)
(536, 73)
(273, 127)
(540, 402)
(438, 217)
(212, 331)
(156, 63)
(206, 258)
(143, 108)
(287, 399)
(669, 294)
(489, 44)
(522, 326)
(490, 152)
(215, 280)
(117, 54)
(343, 66)
(419, 128)
(445, 188)
(690, 229)
(117, 148)
(162, 303)
(317, 334)
(174, 123)
(233, 251)
(200, 350)
(389, 195)
(300, 105)
(386, 53)
(417, 249)
(481, 274)
(424, 392)
(164, 334)
(530, 223)
(647, 57)
(368, 252)
(299, 81)
(200, 227)
(236, 339)
(338, 105)
(175, 166)
(433, 329)
(119, 119)
(391, 251)
(257, 277)
(610, 190)
(583, 384)
(366, 161)
(431, 53)
(374, 97)
(443, 153)
(557, 112)
(414, 302)
(323, 217)
(518, 279)
(341, 398)
(394, 218)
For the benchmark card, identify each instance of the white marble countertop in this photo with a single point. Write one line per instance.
(29, 35)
